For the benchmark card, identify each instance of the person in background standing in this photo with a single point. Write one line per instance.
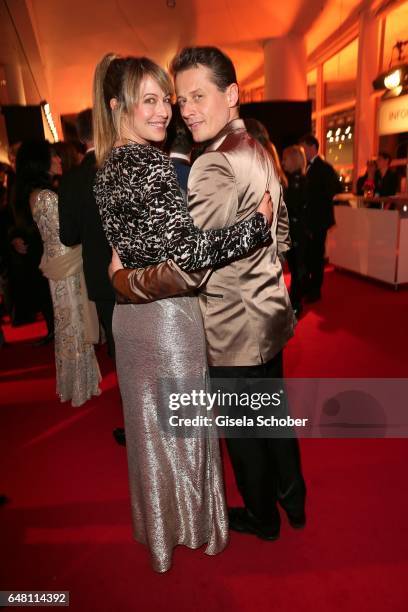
(367, 183)
(258, 131)
(322, 184)
(294, 164)
(80, 223)
(387, 184)
(29, 289)
(76, 321)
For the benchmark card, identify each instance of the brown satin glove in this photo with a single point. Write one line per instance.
(166, 279)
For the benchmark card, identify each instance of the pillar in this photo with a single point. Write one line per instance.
(285, 68)
(365, 142)
(14, 84)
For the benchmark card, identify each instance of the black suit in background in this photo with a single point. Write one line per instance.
(296, 200)
(322, 183)
(182, 168)
(80, 223)
(387, 185)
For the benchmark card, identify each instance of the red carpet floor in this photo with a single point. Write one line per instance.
(67, 525)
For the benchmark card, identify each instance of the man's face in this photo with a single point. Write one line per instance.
(310, 151)
(204, 108)
(382, 163)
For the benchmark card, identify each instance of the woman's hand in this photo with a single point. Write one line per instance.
(115, 264)
(265, 207)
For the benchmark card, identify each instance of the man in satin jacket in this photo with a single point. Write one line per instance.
(245, 305)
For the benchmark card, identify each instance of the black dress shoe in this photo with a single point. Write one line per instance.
(313, 296)
(119, 435)
(296, 520)
(242, 521)
(3, 500)
(45, 340)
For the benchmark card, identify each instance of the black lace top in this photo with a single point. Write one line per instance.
(145, 216)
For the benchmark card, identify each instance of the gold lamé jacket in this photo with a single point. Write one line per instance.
(245, 305)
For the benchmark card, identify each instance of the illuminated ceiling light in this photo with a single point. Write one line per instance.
(393, 80)
(340, 146)
(343, 137)
(331, 139)
(348, 128)
(337, 139)
(349, 136)
(338, 131)
(329, 133)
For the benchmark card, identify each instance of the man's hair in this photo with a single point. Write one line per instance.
(222, 69)
(385, 155)
(84, 125)
(310, 140)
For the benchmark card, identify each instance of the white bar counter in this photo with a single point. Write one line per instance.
(372, 242)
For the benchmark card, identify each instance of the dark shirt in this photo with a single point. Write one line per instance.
(182, 168)
(362, 180)
(295, 197)
(322, 184)
(387, 184)
(80, 223)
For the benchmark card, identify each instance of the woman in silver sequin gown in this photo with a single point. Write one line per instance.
(77, 370)
(176, 485)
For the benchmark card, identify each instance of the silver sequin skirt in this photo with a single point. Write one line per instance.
(176, 484)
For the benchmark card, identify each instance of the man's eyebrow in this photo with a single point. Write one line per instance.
(191, 93)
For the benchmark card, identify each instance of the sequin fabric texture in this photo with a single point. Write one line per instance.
(77, 369)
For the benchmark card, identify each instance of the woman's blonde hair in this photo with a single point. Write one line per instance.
(297, 157)
(119, 78)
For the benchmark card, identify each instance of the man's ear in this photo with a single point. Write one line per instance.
(113, 103)
(233, 95)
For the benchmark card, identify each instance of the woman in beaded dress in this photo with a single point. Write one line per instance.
(76, 322)
(176, 485)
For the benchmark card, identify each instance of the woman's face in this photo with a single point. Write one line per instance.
(287, 163)
(152, 114)
(56, 166)
(371, 168)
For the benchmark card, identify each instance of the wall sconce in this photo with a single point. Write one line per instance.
(395, 79)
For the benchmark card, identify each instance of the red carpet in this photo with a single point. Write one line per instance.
(67, 526)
